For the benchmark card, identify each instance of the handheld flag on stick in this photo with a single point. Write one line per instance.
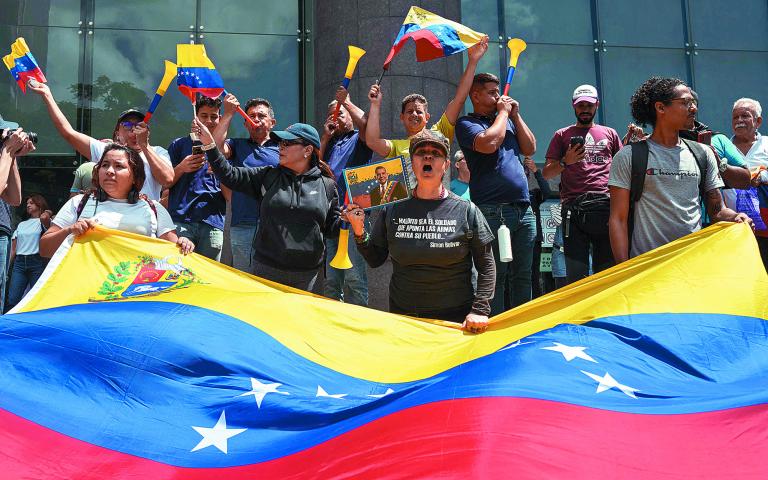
(170, 72)
(196, 72)
(355, 54)
(516, 46)
(435, 36)
(22, 64)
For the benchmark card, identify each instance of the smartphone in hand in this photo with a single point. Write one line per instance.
(197, 149)
(577, 140)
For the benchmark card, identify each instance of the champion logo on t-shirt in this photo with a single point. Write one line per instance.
(679, 173)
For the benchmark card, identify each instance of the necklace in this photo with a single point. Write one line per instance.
(440, 195)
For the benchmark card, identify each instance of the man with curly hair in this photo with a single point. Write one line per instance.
(669, 206)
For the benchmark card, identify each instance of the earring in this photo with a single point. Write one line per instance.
(133, 195)
(101, 195)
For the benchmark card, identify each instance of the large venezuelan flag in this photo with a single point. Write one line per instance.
(22, 64)
(435, 36)
(196, 72)
(128, 361)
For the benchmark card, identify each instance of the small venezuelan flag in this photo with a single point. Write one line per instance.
(22, 64)
(196, 72)
(435, 36)
(170, 72)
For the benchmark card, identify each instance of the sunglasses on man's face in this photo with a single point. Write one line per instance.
(129, 125)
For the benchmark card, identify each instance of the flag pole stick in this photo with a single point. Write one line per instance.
(378, 82)
(241, 112)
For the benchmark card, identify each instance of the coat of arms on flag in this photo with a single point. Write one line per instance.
(147, 276)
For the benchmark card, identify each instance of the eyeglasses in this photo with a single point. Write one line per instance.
(288, 143)
(129, 125)
(686, 102)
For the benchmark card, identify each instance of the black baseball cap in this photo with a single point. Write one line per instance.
(131, 112)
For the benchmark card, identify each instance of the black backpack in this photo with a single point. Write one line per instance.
(640, 168)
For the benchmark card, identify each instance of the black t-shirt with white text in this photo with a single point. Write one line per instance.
(430, 245)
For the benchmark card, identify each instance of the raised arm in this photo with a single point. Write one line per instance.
(16, 145)
(220, 132)
(373, 138)
(525, 137)
(79, 141)
(241, 179)
(159, 165)
(491, 139)
(474, 54)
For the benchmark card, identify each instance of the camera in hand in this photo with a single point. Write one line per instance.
(577, 140)
(6, 132)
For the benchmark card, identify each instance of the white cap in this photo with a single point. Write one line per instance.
(585, 93)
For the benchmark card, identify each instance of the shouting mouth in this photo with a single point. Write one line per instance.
(426, 168)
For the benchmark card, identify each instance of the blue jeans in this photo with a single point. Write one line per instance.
(513, 279)
(241, 240)
(26, 270)
(355, 278)
(208, 240)
(5, 251)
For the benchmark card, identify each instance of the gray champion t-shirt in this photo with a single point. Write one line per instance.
(670, 205)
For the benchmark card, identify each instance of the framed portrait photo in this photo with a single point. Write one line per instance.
(378, 184)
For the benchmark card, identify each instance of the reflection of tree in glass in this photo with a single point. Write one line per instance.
(109, 98)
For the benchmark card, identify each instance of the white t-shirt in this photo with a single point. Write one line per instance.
(152, 187)
(27, 236)
(118, 214)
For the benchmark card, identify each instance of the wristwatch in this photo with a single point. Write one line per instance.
(210, 146)
(722, 164)
(562, 164)
(362, 239)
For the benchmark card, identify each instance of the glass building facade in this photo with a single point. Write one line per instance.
(104, 56)
(719, 48)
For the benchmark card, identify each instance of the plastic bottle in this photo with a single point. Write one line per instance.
(505, 244)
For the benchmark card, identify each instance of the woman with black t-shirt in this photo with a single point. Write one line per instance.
(434, 239)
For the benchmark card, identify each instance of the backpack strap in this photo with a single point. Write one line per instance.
(81, 205)
(637, 181)
(470, 215)
(700, 155)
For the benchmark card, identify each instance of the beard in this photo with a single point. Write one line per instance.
(585, 118)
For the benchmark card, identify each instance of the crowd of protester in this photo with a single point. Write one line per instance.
(278, 197)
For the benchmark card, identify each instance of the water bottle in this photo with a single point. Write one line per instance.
(505, 244)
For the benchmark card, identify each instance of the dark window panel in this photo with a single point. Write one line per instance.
(741, 25)
(145, 14)
(265, 66)
(42, 13)
(545, 92)
(548, 21)
(250, 16)
(624, 69)
(127, 68)
(57, 51)
(724, 77)
(652, 23)
(481, 16)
